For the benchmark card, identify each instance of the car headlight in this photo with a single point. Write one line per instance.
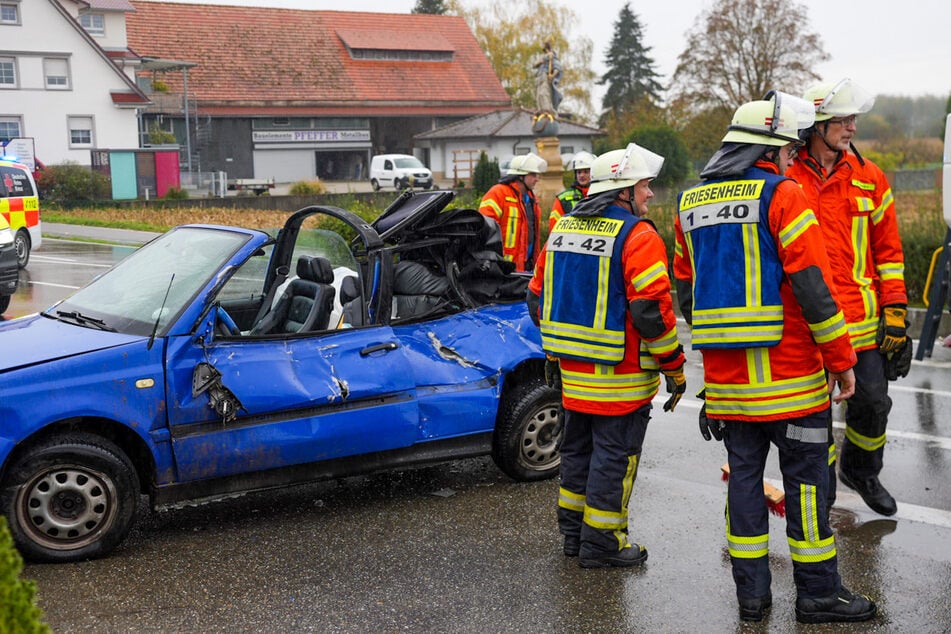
(6, 237)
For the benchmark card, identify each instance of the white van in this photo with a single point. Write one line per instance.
(399, 170)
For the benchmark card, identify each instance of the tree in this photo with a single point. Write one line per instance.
(433, 7)
(739, 49)
(512, 33)
(630, 78)
(667, 142)
(486, 174)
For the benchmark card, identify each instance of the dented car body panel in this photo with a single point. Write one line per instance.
(220, 360)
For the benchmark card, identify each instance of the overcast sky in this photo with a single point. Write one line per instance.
(897, 47)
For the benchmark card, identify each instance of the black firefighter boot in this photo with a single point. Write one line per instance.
(855, 460)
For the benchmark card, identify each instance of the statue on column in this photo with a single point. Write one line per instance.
(547, 95)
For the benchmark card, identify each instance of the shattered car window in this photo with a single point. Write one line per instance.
(154, 284)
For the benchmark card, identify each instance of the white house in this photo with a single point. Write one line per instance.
(454, 149)
(63, 85)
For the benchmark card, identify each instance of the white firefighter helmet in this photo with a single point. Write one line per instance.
(618, 169)
(527, 164)
(775, 120)
(581, 161)
(841, 99)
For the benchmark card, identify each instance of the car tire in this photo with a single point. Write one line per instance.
(71, 498)
(398, 184)
(526, 440)
(4, 303)
(375, 184)
(22, 244)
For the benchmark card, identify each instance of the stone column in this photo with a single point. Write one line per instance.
(548, 147)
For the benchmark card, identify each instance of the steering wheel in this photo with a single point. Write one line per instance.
(224, 324)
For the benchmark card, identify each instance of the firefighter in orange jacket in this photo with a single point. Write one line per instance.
(565, 201)
(753, 280)
(512, 204)
(601, 298)
(855, 208)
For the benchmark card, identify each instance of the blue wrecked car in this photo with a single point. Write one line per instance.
(218, 360)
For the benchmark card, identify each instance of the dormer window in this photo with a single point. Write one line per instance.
(396, 46)
(94, 23)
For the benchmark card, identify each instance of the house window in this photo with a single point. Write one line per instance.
(8, 72)
(56, 71)
(9, 127)
(9, 13)
(80, 132)
(94, 23)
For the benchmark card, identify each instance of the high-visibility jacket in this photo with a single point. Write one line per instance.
(585, 321)
(602, 388)
(856, 211)
(520, 224)
(565, 202)
(734, 306)
(785, 380)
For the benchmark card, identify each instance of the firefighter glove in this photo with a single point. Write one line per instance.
(710, 427)
(898, 364)
(891, 330)
(552, 372)
(676, 386)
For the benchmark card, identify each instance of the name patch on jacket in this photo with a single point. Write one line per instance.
(719, 203)
(585, 235)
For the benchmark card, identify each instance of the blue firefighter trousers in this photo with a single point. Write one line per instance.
(599, 456)
(803, 460)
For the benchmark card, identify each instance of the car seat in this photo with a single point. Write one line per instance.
(306, 303)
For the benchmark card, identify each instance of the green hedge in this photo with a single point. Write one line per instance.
(18, 614)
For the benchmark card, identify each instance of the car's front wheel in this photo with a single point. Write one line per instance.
(525, 445)
(71, 498)
(4, 303)
(23, 244)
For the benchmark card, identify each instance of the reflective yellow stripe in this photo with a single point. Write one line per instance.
(767, 399)
(887, 201)
(865, 442)
(811, 549)
(760, 325)
(808, 505)
(571, 500)
(796, 228)
(664, 344)
(654, 272)
(863, 333)
(603, 385)
(830, 329)
(891, 271)
(494, 206)
(831, 454)
(754, 273)
(606, 520)
(601, 307)
(747, 547)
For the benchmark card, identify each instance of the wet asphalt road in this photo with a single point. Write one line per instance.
(461, 548)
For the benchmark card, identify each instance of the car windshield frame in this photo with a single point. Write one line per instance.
(148, 291)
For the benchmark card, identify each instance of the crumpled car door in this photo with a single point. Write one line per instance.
(296, 400)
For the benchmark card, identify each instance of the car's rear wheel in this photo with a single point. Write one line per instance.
(375, 184)
(71, 498)
(4, 303)
(525, 445)
(22, 244)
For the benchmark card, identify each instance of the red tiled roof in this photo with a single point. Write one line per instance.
(257, 57)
